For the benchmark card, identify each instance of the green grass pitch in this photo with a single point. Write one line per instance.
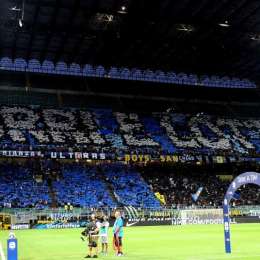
(145, 243)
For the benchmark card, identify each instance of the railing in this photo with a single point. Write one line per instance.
(59, 218)
(107, 210)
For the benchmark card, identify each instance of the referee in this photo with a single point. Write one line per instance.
(118, 233)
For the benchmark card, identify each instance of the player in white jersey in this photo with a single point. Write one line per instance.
(104, 235)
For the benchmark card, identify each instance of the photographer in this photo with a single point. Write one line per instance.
(92, 232)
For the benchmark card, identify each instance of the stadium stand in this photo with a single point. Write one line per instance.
(62, 68)
(129, 187)
(39, 128)
(105, 130)
(21, 188)
(178, 188)
(79, 185)
(82, 187)
(109, 186)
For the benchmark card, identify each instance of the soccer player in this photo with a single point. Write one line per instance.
(104, 235)
(118, 233)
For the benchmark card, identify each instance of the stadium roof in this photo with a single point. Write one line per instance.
(205, 37)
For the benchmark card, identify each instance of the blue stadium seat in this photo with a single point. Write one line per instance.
(161, 77)
(100, 71)
(34, 65)
(125, 73)
(6, 63)
(48, 67)
(20, 64)
(74, 69)
(61, 68)
(172, 77)
(89, 70)
(113, 73)
(137, 74)
(149, 75)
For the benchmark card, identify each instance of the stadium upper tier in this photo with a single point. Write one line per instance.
(117, 133)
(62, 68)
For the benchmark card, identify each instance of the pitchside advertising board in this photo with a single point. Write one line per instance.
(57, 225)
(243, 179)
(173, 221)
(20, 226)
(148, 222)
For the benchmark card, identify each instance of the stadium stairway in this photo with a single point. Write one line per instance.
(129, 188)
(109, 187)
(54, 201)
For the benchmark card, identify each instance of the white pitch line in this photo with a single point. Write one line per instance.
(2, 252)
(223, 257)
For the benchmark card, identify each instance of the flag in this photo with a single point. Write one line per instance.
(220, 159)
(160, 197)
(196, 195)
(236, 195)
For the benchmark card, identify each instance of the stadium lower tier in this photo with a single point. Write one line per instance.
(45, 184)
(115, 185)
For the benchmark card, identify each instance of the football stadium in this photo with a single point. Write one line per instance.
(130, 128)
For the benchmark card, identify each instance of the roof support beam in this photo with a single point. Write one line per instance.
(33, 32)
(69, 26)
(51, 26)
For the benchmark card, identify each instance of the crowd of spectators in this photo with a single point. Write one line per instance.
(22, 186)
(45, 184)
(119, 132)
(129, 187)
(178, 188)
(81, 186)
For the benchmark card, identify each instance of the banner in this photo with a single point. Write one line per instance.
(22, 154)
(141, 158)
(128, 158)
(53, 155)
(164, 158)
(185, 158)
